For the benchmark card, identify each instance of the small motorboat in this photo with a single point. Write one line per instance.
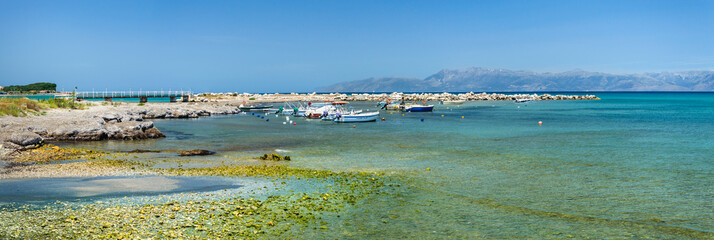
(393, 106)
(255, 108)
(418, 108)
(523, 100)
(357, 117)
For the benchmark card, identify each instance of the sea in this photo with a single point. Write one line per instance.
(631, 165)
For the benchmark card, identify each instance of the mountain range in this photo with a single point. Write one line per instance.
(502, 80)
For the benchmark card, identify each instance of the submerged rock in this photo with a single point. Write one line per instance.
(274, 157)
(196, 152)
(143, 151)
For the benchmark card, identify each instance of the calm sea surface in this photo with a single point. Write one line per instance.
(628, 166)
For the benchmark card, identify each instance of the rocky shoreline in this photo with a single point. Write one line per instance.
(121, 121)
(293, 97)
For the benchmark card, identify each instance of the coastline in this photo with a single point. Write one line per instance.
(119, 121)
(295, 97)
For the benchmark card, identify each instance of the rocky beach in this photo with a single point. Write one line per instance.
(121, 121)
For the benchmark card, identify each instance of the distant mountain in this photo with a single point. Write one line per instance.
(502, 80)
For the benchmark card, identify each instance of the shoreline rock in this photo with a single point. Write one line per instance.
(196, 152)
(293, 97)
(124, 121)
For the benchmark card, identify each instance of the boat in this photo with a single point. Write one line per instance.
(319, 112)
(418, 108)
(393, 106)
(255, 108)
(523, 100)
(357, 117)
(454, 102)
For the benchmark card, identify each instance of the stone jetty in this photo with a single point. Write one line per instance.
(292, 97)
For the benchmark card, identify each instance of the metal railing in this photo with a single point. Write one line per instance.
(131, 94)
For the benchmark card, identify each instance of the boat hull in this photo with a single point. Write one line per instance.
(362, 117)
(255, 108)
(419, 109)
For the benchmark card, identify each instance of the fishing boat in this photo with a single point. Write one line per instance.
(453, 102)
(418, 108)
(393, 106)
(357, 117)
(319, 112)
(255, 108)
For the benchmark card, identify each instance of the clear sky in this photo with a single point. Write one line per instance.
(269, 46)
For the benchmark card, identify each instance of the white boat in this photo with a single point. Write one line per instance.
(523, 100)
(319, 112)
(357, 117)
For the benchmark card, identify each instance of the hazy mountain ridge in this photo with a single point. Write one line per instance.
(495, 80)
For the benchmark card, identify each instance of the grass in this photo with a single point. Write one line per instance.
(21, 107)
(62, 103)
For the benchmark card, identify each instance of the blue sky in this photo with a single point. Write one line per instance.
(269, 46)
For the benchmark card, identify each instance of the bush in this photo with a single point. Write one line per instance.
(62, 103)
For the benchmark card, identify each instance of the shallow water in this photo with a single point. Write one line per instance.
(19, 191)
(629, 165)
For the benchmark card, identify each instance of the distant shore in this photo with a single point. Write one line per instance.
(295, 97)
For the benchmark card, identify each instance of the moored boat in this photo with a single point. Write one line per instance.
(255, 108)
(357, 117)
(419, 108)
(523, 100)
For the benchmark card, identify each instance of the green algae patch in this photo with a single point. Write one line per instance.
(281, 215)
(53, 161)
(52, 154)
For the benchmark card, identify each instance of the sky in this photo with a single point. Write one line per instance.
(286, 46)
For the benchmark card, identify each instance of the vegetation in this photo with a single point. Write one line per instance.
(20, 107)
(283, 215)
(35, 87)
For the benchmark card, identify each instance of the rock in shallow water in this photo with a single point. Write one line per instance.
(196, 152)
(25, 138)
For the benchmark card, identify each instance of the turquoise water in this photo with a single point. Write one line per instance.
(632, 165)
